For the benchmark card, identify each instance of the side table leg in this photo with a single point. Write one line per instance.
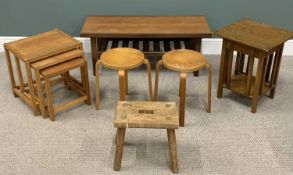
(40, 93)
(260, 68)
(222, 71)
(173, 150)
(119, 148)
(276, 74)
(182, 88)
(122, 85)
(196, 45)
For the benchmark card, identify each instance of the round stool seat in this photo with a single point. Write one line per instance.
(122, 58)
(184, 60)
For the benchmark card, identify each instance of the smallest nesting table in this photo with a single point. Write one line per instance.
(138, 114)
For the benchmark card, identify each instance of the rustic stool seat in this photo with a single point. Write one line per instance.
(139, 114)
(184, 61)
(59, 69)
(122, 59)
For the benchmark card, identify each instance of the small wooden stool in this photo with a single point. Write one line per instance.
(138, 114)
(122, 59)
(184, 61)
(59, 69)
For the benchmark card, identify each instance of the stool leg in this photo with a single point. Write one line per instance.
(157, 80)
(146, 61)
(119, 148)
(173, 150)
(257, 87)
(182, 98)
(122, 85)
(97, 84)
(40, 93)
(126, 82)
(209, 67)
(10, 70)
(31, 88)
(50, 99)
(85, 82)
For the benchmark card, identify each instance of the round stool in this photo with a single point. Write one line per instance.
(122, 59)
(184, 61)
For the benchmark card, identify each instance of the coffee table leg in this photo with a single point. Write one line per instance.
(122, 85)
(196, 45)
(98, 84)
(173, 150)
(222, 70)
(94, 49)
(119, 148)
(182, 88)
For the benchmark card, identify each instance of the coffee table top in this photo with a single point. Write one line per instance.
(142, 114)
(184, 60)
(254, 34)
(122, 58)
(146, 27)
(42, 45)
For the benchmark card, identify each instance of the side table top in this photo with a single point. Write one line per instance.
(142, 114)
(42, 45)
(145, 27)
(254, 34)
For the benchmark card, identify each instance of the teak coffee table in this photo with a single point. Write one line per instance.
(151, 34)
(253, 41)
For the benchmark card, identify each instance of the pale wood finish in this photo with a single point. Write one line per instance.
(31, 49)
(122, 60)
(183, 61)
(257, 41)
(141, 114)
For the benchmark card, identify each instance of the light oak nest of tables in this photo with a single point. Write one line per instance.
(43, 51)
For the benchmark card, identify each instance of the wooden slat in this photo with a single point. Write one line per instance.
(70, 104)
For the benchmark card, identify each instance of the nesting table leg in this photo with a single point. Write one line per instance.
(31, 88)
(122, 91)
(85, 81)
(119, 148)
(10, 71)
(19, 74)
(182, 88)
(50, 99)
(40, 93)
(173, 150)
